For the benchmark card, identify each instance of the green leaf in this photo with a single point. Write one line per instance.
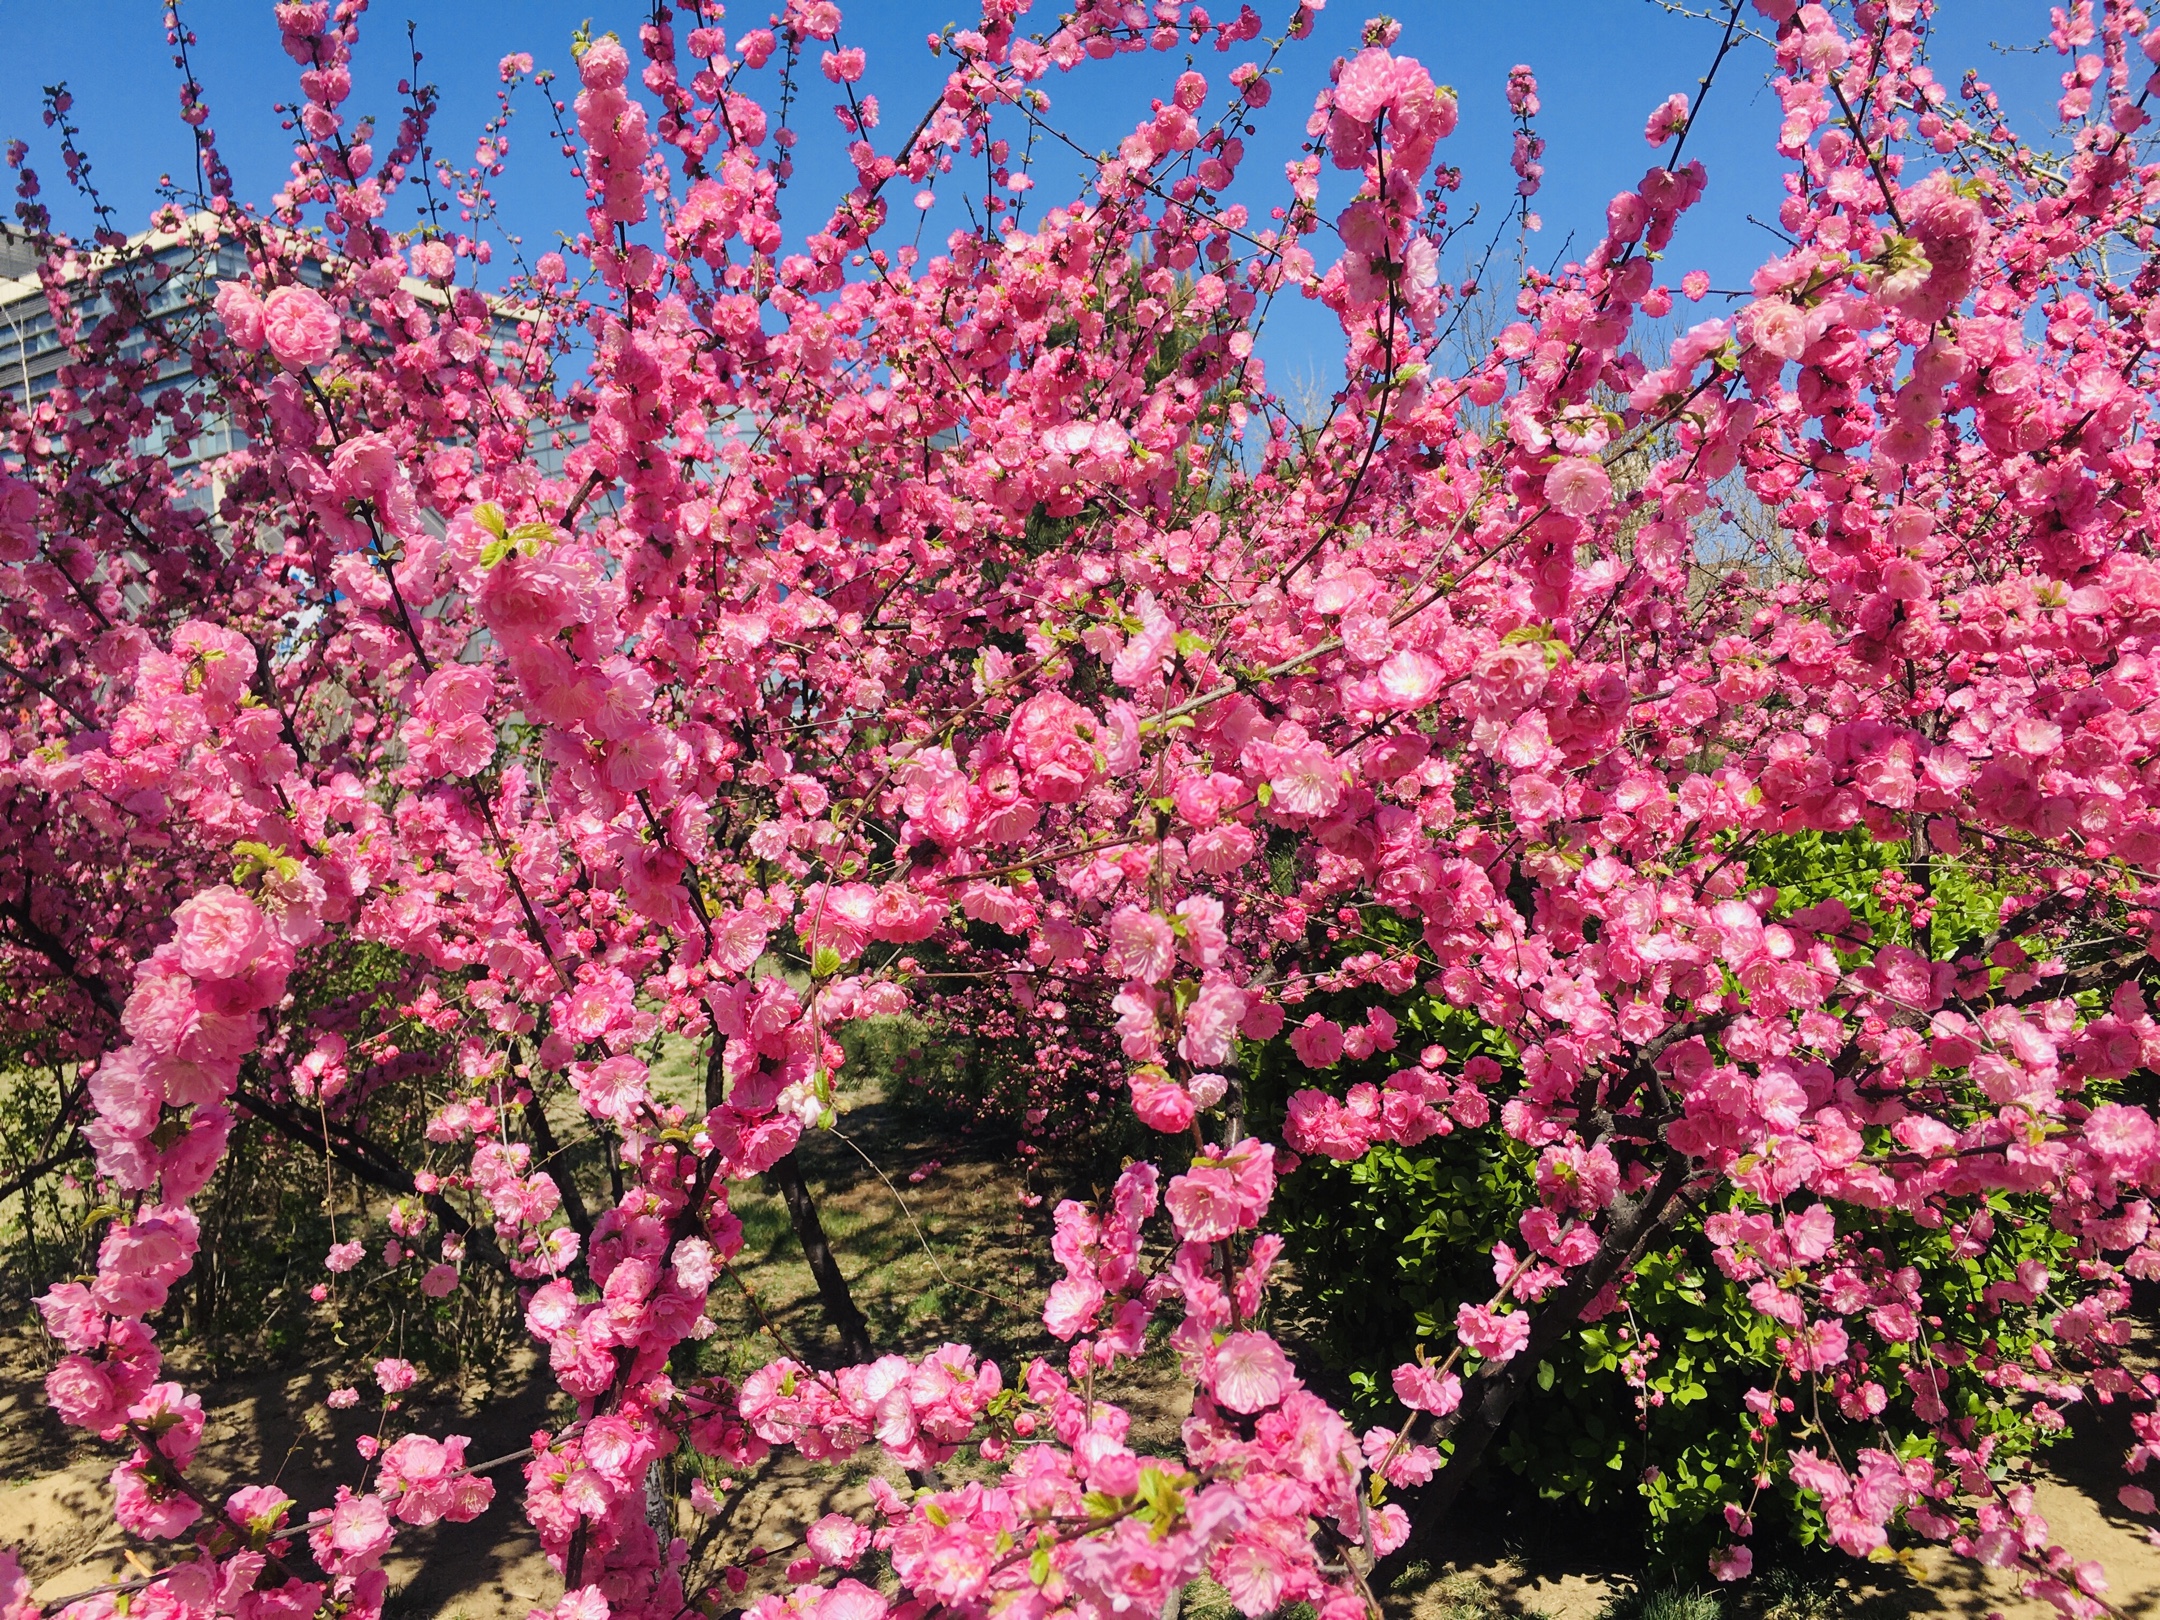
(490, 517)
(1102, 1505)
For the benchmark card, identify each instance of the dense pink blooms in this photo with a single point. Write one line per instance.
(758, 628)
(425, 1480)
(1053, 741)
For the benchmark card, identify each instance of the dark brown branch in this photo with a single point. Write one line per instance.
(45, 1166)
(847, 1319)
(2034, 917)
(46, 691)
(786, 1178)
(2102, 975)
(543, 1135)
(376, 1168)
(585, 492)
(36, 937)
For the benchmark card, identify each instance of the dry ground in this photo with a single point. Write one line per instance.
(956, 1256)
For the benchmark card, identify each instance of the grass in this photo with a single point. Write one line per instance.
(1781, 1593)
(955, 1258)
(1457, 1597)
(1671, 1603)
(1204, 1600)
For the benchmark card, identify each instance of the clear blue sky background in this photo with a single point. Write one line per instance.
(1602, 66)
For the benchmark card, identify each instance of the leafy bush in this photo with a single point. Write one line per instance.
(1644, 1409)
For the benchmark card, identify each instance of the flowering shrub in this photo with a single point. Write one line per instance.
(890, 600)
(1646, 1401)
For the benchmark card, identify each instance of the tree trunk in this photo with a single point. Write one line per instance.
(786, 1178)
(551, 1160)
(1488, 1397)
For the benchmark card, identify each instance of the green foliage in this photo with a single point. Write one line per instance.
(1807, 868)
(1388, 1247)
(275, 1206)
(42, 1232)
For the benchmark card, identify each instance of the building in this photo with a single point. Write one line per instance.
(31, 353)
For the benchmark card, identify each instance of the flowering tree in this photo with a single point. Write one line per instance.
(898, 606)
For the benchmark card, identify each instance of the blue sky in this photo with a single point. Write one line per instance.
(1602, 66)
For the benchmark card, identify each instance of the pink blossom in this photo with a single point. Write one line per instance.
(1210, 1027)
(2121, 1135)
(301, 329)
(434, 259)
(1253, 1573)
(1318, 1041)
(1053, 741)
(395, 1375)
(82, 1394)
(1411, 679)
(1579, 487)
(1367, 84)
(806, 598)
(1670, 119)
(1160, 1102)
(240, 312)
(1249, 1372)
(1317, 1123)
(1142, 945)
(1203, 1204)
(837, 1541)
(1071, 1306)
(1426, 1389)
(1732, 1563)
(1307, 783)
(1493, 1336)
(220, 933)
(586, 1602)
(142, 1511)
(354, 1533)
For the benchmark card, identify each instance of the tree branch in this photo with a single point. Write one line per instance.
(376, 1168)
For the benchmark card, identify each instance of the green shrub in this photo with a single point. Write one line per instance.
(1386, 1248)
